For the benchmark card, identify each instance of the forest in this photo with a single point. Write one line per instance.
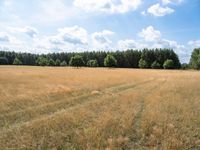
(147, 58)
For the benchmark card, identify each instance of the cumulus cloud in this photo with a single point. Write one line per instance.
(166, 2)
(4, 37)
(30, 31)
(101, 40)
(73, 35)
(131, 44)
(150, 34)
(194, 44)
(108, 6)
(159, 11)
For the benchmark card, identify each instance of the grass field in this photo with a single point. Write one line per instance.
(66, 108)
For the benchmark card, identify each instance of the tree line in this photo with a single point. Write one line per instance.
(146, 58)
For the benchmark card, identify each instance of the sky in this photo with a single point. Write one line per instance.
(46, 26)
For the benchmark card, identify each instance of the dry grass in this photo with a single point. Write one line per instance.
(66, 108)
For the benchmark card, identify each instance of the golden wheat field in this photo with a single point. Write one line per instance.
(44, 108)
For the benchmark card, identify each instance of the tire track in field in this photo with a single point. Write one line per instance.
(31, 113)
(135, 135)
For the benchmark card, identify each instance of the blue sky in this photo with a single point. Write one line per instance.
(43, 26)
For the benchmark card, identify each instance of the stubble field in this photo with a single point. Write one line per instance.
(98, 108)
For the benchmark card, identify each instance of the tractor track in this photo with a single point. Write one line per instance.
(16, 118)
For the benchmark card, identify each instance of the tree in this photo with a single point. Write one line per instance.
(155, 65)
(3, 61)
(17, 62)
(110, 61)
(63, 63)
(76, 61)
(42, 61)
(195, 59)
(184, 66)
(51, 62)
(57, 62)
(92, 63)
(168, 64)
(143, 63)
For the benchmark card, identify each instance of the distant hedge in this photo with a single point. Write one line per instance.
(146, 58)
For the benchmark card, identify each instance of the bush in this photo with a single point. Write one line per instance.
(92, 63)
(42, 61)
(3, 61)
(51, 62)
(17, 62)
(155, 65)
(57, 62)
(143, 64)
(63, 63)
(184, 66)
(110, 61)
(168, 64)
(76, 61)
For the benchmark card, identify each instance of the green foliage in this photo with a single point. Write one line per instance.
(143, 64)
(42, 61)
(51, 62)
(17, 62)
(125, 59)
(110, 61)
(168, 64)
(184, 66)
(3, 61)
(57, 62)
(195, 59)
(92, 63)
(155, 65)
(63, 63)
(76, 61)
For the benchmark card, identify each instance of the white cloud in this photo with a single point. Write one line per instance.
(108, 6)
(131, 44)
(30, 31)
(194, 44)
(7, 38)
(7, 3)
(150, 34)
(73, 35)
(4, 37)
(166, 2)
(54, 11)
(159, 11)
(100, 40)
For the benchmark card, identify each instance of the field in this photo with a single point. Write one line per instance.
(69, 108)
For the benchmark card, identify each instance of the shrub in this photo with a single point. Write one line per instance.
(110, 61)
(51, 62)
(184, 66)
(76, 61)
(168, 64)
(92, 63)
(63, 63)
(155, 65)
(17, 62)
(143, 64)
(57, 62)
(42, 61)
